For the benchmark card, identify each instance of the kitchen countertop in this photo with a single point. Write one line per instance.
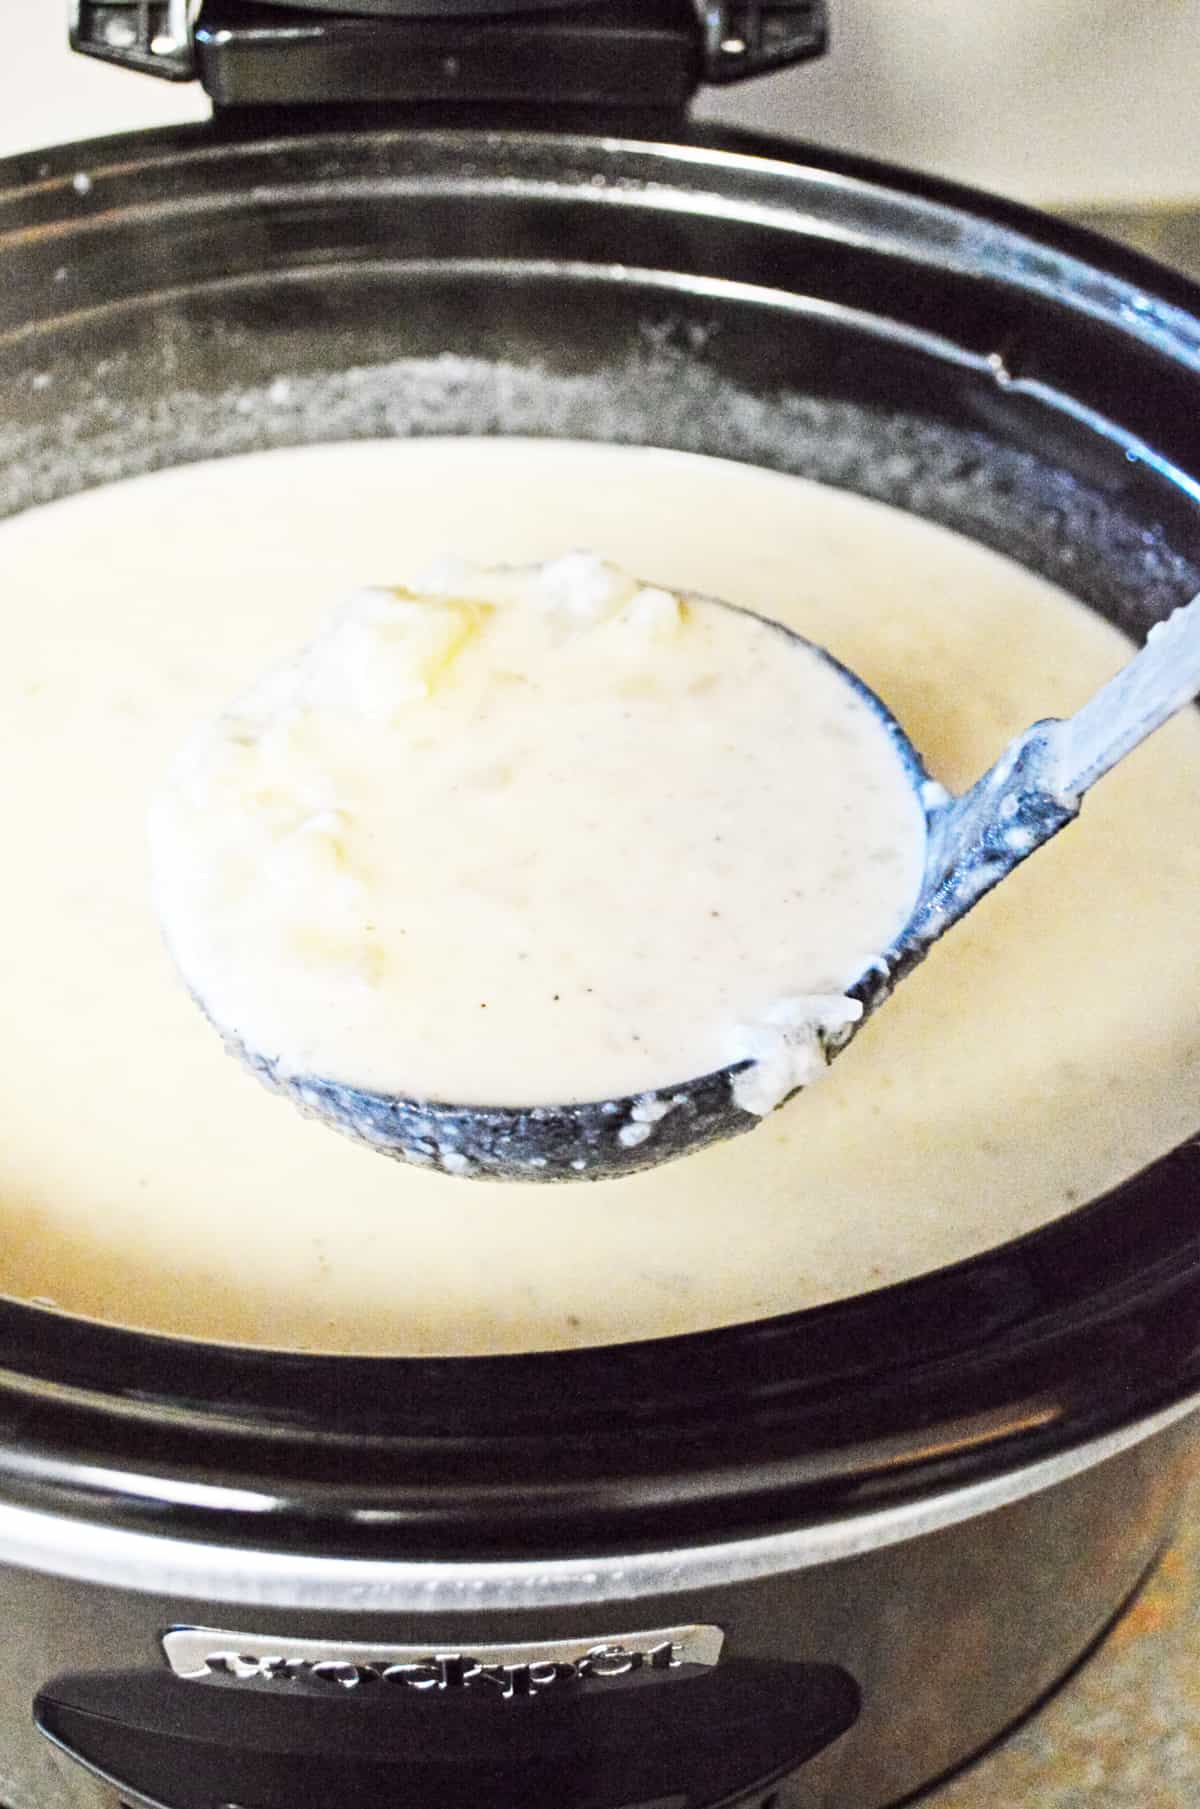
(1170, 234)
(1124, 1731)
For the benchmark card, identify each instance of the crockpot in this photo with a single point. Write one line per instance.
(811, 1562)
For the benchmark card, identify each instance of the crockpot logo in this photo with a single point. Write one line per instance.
(504, 1671)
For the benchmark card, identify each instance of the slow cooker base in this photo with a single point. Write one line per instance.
(950, 1636)
(786, 1793)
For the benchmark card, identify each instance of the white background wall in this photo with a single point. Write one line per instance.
(1049, 100)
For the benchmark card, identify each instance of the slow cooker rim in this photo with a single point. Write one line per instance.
(56, 169)
(268, 1573)
(66, 173)
(200, 1448)
(78, 1396)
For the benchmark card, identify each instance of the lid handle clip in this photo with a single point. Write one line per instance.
(155, 36)
(751, 37)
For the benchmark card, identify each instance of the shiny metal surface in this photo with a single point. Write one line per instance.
(949, 1636)
(199, 1652)
(87, 1551)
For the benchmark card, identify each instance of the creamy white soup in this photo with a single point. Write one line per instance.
(1049, 1048)
(534, 835)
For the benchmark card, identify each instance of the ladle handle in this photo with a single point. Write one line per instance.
(1155, 684)
(1036, 786)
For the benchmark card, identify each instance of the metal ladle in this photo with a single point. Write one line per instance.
(973, 842)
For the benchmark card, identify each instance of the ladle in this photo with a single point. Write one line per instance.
(973, 842)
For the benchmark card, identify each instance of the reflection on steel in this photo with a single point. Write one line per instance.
(506, 1671)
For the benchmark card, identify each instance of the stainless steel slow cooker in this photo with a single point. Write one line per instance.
(812, 1562)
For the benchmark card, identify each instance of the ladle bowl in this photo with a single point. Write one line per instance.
(973, 842)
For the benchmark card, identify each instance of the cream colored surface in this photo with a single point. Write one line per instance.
(534, 835)
(1051, 1046)
(1058, 102)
